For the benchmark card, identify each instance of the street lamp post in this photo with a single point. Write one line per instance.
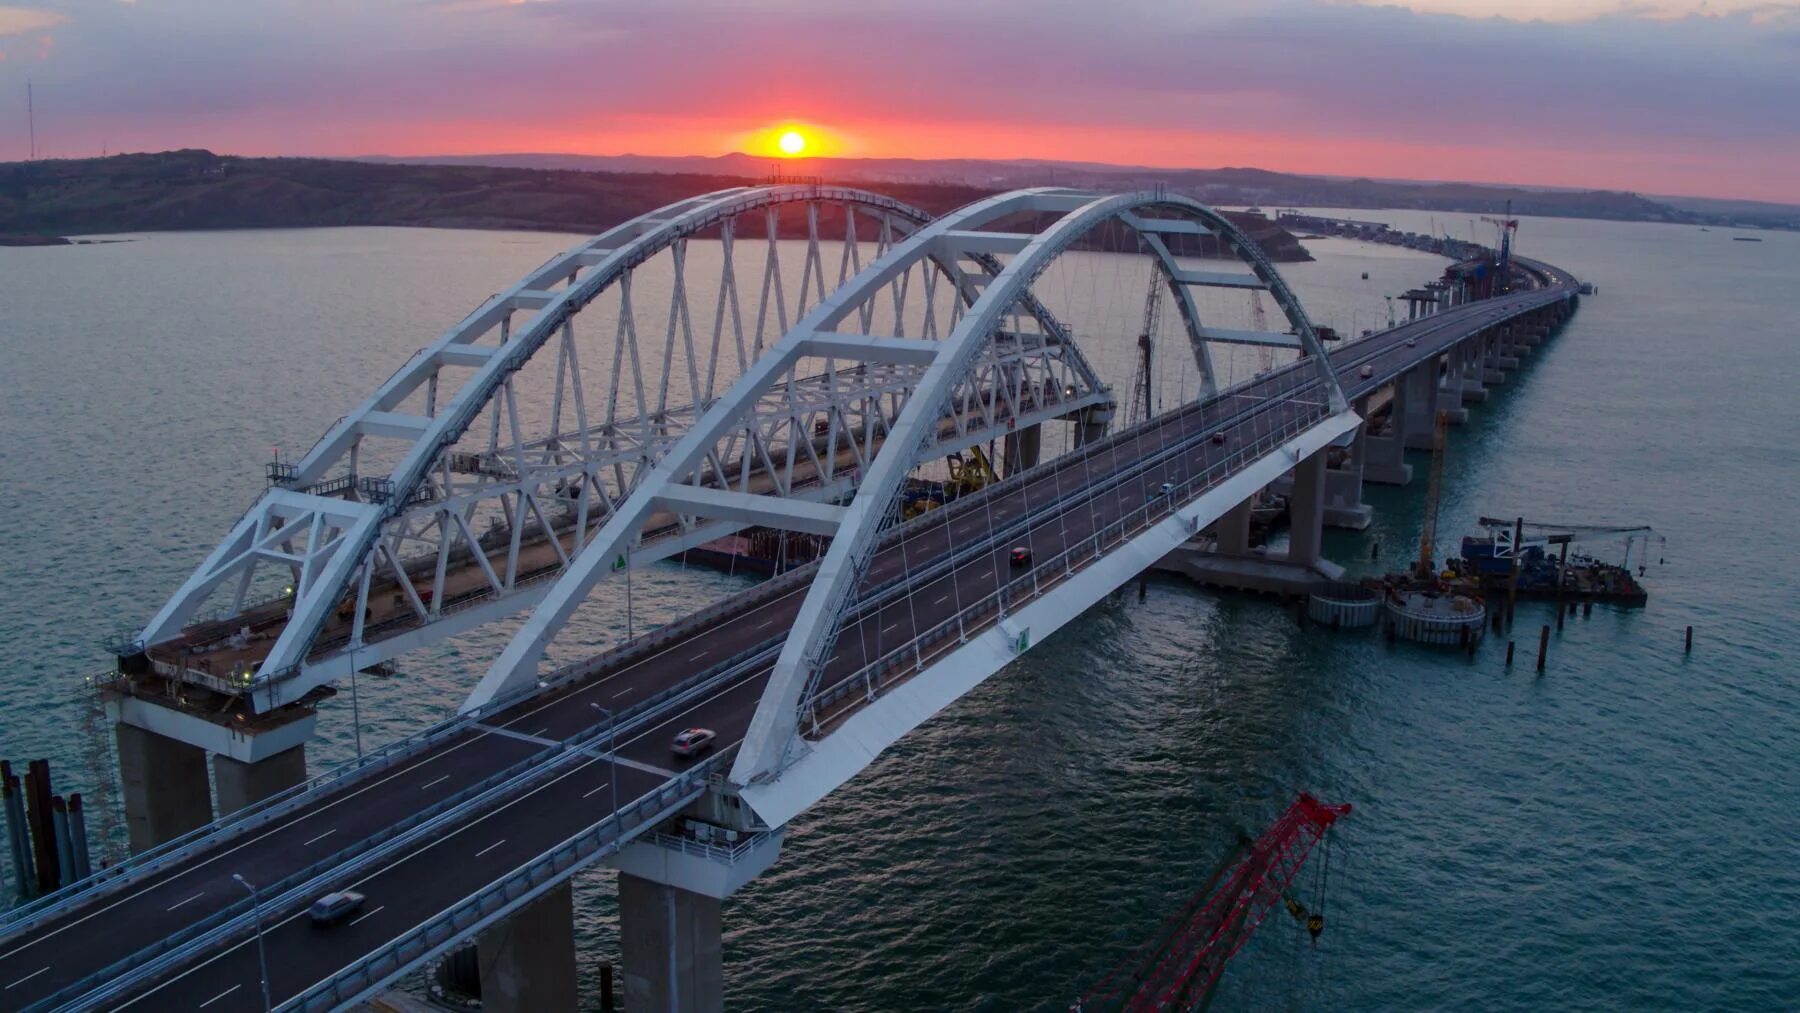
(262, 960)
(612, 755)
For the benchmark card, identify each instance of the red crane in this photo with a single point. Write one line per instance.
(1178, 968)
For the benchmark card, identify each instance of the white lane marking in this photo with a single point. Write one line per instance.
(178, 903)
(890, 628)
(30, 976)
(490, 847)
(987, 573)
(439, 781)
(321, 837)
(624, 692)
(766, 624)
(540, 731)
(697, 657)
(221, 995)
(941, 600)
(371, 914)
(596, 791)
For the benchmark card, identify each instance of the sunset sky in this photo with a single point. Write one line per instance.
(1661, 96)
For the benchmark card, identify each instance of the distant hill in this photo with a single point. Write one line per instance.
(1219, 186)
(195, 189)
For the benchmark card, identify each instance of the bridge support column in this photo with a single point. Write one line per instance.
(164, 782)
(673, 947)
(244, 784)
(1232, 531)
(1306, 511)
(1090, 424)
(527, 960)
(1420, 401)
(1384, 458)
(1344, 507)
(1021, 448)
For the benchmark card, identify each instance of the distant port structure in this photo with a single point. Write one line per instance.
(807, 396)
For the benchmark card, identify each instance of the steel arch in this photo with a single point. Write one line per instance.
(339, 530)
(775, 728)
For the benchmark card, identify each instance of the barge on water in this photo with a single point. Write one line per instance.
(1489, 563)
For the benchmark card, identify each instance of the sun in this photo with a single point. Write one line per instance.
(791, 142)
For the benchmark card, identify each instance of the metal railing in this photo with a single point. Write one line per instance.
(508, 893)
(897, 664)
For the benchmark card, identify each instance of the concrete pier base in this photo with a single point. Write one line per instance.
(672, 946)
(164, 783)
(528, 960)
(1386, 462)
(1344, 507)
(243, 784)
(1492, 376)
(1273, 574)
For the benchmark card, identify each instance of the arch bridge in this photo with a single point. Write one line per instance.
(831, 417)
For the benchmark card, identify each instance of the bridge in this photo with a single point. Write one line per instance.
(826, 416)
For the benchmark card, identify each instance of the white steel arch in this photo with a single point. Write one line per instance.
(946, 363)
(327, 523)
(774, 731)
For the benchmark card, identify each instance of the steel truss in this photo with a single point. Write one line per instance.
(963, 359)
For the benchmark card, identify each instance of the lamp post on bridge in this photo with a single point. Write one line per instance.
(262, 960)
(612, 756)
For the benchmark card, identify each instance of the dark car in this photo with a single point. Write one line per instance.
(334, 907)
(1020, 556)
(1219, 437)
(692, 741)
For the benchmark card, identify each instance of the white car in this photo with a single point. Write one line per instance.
(334, 907)
(692, 741)
(1367, 371)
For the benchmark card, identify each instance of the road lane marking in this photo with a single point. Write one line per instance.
(321, 837)
(941, 600)
(371, 914)
(178, 903)
(890, 628)
(987, 573)
(490, 847)
(221, 995)
(596, 791)
(439, 781)
(30, 976)
(766, 624)
(697, 657)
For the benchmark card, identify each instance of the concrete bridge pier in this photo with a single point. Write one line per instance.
(164, 784)
(1420, 401)
(1384, 457)
(527, 960)
(1344, 507)
(1021, 448)
(1090, 423)
(162, 765)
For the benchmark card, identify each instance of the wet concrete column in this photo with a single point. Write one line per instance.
(1233, 530)
(673, 947)
(527, 960)
(1306, 510)
(1421, 403)
(1384, 457)
(1021, 448)
(164, 782)
(1344, 507)
(244, 784)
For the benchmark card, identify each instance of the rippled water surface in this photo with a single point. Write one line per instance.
(1616, 834)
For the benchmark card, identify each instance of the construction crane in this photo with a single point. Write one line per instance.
(1507, 227)
(1178, 968)
(1425, 569)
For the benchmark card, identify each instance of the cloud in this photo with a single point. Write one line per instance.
(21, 20)
(1319, 85)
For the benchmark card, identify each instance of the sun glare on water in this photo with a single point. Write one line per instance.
(793, 142)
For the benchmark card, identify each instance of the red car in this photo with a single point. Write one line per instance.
(1020, 556)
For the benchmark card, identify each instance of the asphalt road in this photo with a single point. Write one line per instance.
(488, 843)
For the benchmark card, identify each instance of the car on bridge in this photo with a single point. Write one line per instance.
(1020, 556)
(334, 907)
(693, 741)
